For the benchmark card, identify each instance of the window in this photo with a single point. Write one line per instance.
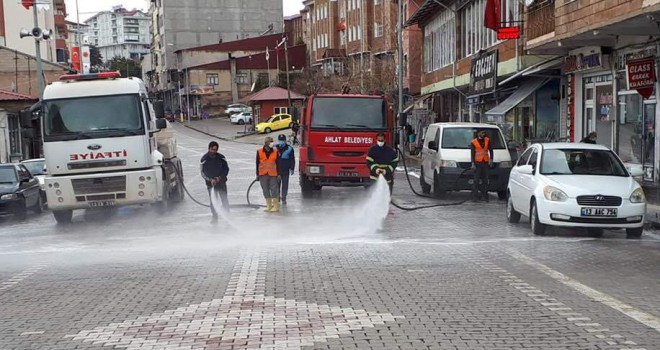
(280, 110)
(359, 33)
(474, 36)
(524, 158)
(461, 138)
(377, 2)
(533, 159)
(212, 79)
(439, 43)
(241, 78)
(348, 113)
(405, 65)
(342, 38)
(581, 162)
(378, 30)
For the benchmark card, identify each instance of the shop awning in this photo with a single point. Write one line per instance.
(524, 90)
(535, 69)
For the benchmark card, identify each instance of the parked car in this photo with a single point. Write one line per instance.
(241, 118)
(37, 167)
(19, 191)
(446, 158)
(275, 122)
(575, 185)
(237, 108)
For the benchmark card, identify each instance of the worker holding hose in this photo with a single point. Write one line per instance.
(267, 174)
(482, 159)
(214, 170)
(382, 160)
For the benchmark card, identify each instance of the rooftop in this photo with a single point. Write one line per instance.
(8, 96)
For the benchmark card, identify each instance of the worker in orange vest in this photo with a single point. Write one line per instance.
(267, 174)
(482, 160)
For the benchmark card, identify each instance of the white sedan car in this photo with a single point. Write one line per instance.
(575, 185)
(241, 118)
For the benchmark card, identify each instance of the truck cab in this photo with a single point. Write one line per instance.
(337, 132)
(105, 145)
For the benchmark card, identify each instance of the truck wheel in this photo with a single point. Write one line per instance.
(306, 186)
(426, 188)
(501, 195)
(634, 233)
(63, 216)
(438, 192)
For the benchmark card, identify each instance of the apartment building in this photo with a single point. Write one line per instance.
(120, 33)
(186, 24)
(294, 26)
(609, 56)
(356, 39)
(14, 17)
(412, 53)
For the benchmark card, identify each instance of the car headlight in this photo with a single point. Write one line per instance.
(9, 196)
(448, 164)
(638, 196)
(505, 164)
(554, 194)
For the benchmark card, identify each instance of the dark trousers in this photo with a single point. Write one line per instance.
(219, 189)
(284, 184)
(480, 173)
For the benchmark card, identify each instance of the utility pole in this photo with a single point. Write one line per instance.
(286, 61)
(78, 39)
(37, 44)
(399, 28)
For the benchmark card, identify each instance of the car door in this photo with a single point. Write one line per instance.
(29, 186)
(284, 122)
(515, 178)
(274, 123)
(428, 154)
(528, 182)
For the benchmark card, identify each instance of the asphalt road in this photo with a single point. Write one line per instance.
(321, 274)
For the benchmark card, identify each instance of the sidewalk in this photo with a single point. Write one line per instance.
(223, 129)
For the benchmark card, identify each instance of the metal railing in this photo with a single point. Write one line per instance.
(541, 20)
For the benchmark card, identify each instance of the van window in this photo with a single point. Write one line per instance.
(461, 138)
(431, 135)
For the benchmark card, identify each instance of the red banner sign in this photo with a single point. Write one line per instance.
(641, 76)
(507, 33)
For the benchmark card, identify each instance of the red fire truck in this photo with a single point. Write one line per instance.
(337, 132)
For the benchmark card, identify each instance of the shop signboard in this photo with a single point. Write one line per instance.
(582, 60)
(483, 75)
(641, 75)
(202, 89)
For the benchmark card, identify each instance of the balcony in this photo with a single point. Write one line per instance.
(540, 19)
(59, 20)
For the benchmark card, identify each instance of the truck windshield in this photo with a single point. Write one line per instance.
(461, 138)
(92, 117)
(353, 113)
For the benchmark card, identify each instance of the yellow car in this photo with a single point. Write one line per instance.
(275, 122)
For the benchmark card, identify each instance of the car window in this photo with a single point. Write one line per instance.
(284, 117)
(8, 175)
(525, 157)
(533, 159)
(35, 167)
(581, 162)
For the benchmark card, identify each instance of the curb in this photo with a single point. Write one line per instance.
(216, 136)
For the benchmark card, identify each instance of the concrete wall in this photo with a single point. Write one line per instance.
(577, 16)
(20, 75)
(16, 18)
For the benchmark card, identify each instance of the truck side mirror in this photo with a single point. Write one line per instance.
(159, 109)
(161, 123)
(403, 119)
(26, 118)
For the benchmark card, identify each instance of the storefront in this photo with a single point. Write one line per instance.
(623, 119)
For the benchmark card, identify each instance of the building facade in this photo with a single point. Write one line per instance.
(603, 46)
(120, 33)
(14, 17)
(294, 26)
(186, 24)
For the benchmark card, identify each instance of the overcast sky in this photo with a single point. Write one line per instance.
(90, 7)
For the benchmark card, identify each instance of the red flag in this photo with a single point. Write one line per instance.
(75, 58)
(492, 14)
(27, 3)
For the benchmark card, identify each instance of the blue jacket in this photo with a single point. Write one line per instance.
(286, 160)
(382, 158)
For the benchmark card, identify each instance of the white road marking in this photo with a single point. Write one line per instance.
(414, 174)
(636, 314)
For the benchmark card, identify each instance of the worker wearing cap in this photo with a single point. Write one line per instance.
(481, 152)
(382, 160)
(286, 164)
(267, 174)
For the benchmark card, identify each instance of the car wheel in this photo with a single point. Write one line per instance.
(426, 188)
(537, 227)
(63, 216)
(501, 195)
(438, 192)
(595, 232)
(634, 232)
(512, 215)
(267, 130)
(241, 122)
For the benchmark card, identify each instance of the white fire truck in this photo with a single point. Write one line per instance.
(106, 145)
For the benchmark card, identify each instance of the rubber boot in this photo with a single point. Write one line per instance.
(269, 204)
(276, 205)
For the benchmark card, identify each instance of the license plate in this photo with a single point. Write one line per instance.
(348, 174)
(98, 204)
(609, 212)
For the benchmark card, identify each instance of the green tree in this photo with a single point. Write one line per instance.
(96, 59)
(126, 66)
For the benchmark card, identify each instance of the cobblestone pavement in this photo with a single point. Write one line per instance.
(320, 275)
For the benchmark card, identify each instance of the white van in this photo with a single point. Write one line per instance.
(446, 158)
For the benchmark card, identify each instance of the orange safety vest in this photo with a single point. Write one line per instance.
(267, 164)
(481, 154)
